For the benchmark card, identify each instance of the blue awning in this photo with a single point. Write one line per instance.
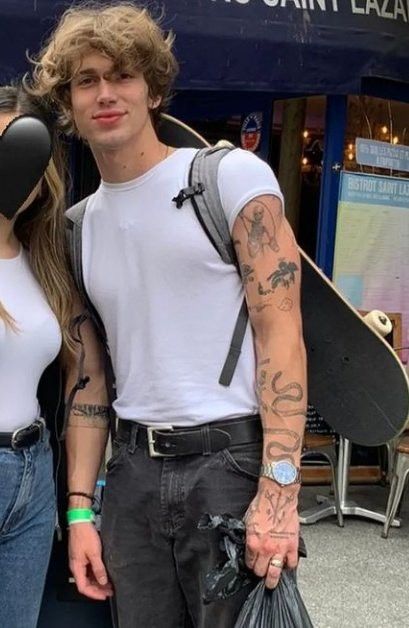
(287, 46)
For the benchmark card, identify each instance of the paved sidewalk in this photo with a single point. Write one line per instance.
(352, 577)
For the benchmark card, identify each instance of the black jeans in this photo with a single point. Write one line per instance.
(156, 557)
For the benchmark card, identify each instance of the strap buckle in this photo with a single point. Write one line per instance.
(187, 193)
(151, 439)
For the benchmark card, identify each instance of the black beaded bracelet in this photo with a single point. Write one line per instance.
(81, 494)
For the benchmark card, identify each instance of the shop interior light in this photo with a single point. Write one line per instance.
(304, 161)
(350, 156)
(384, 130)
(350, 146)
(395, 139)
(305, 134)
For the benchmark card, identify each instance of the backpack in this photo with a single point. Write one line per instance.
(204, 195)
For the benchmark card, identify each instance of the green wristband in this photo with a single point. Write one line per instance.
(80, 515)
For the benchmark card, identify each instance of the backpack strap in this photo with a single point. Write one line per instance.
(74, 221)
(208, 206)
(205, 197)
(235, 346)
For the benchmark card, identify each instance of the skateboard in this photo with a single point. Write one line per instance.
(355, 380)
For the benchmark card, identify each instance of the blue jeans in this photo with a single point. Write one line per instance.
(27, 520)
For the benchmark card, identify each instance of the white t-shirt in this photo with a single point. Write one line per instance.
(168, 302)
(25, 353)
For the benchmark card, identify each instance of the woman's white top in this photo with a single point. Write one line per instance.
(26, 352)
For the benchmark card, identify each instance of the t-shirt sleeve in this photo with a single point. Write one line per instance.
(243, 176)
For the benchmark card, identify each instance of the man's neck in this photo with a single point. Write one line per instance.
(130, 161)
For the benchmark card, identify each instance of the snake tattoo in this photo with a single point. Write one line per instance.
(282, 397)
(273, 445)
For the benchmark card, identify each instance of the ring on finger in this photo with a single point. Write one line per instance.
(276, 562)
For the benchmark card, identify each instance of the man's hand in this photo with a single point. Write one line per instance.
(85, 558)
(272, 529)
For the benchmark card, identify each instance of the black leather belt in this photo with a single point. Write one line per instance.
(165, 441)
(23, 437)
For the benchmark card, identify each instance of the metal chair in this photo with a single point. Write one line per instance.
(322, 446)
(388, 454)
(399, 476)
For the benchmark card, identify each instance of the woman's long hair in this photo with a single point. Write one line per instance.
(40, 228)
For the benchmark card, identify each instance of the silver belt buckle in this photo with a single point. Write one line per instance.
(39, 423)
(151, 439)
(14, 437)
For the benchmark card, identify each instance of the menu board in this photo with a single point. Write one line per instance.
(371, 258)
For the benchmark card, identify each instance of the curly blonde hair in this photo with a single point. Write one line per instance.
(124, 33)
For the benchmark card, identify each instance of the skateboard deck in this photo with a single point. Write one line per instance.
(355, 380)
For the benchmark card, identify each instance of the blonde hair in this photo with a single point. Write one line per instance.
(126, 34)
(40, 227)
(6, 318)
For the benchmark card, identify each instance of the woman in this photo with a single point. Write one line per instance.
(35, 310)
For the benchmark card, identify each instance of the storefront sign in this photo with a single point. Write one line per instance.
(382, 155)
(372, 245)
(250, 134)
(387, 9)
(282, 46)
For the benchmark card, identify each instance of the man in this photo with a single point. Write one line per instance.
(169, 304)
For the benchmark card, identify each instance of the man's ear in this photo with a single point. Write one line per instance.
(154, 103)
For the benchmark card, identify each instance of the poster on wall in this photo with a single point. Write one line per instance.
(371, 258)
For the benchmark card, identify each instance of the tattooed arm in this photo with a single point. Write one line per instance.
(86, 439)
(270, 264)
(88, 423)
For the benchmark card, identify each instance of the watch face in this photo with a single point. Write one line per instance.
(285, 472)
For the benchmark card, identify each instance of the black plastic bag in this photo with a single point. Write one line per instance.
(232, 575)
(281, 607)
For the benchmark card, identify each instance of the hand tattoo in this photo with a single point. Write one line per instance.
(272, 506)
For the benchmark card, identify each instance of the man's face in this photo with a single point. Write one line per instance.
(110, 109)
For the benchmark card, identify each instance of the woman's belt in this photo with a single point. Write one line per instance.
(24, 436)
